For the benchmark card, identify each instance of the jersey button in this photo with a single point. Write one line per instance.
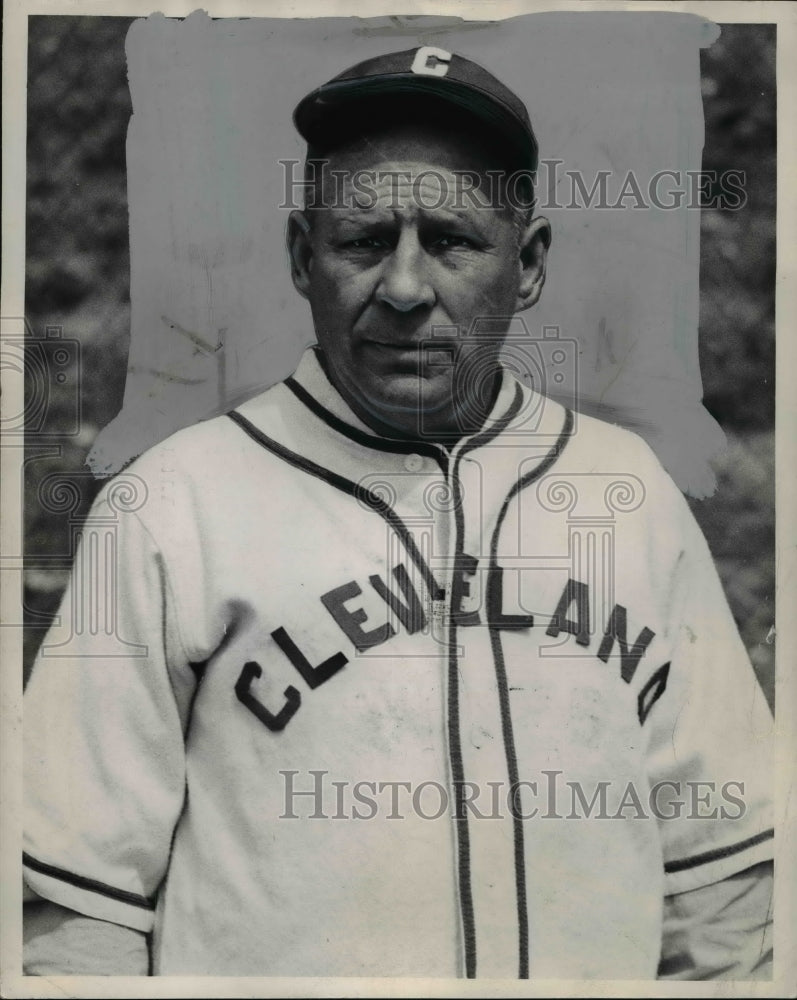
(413, 463)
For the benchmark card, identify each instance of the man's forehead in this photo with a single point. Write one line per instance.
(423, 185)
(405, 176)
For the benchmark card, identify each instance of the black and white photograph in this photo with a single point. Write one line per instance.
(393, 594)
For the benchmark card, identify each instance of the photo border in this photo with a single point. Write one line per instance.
(11, 456)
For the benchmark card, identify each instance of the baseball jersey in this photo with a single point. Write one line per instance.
(319, 702)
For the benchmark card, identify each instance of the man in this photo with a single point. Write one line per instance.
(425, 676)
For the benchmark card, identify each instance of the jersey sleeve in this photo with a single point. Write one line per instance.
(60, 942)
(710, 749)
(720, 931)
(104, 717)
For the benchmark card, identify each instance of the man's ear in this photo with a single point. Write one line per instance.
(300, 251)
(534, 245)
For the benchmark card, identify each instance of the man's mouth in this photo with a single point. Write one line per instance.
(411, 356)
(422, 346)
(395, 343)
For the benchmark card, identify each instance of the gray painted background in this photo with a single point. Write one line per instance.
(212, 103)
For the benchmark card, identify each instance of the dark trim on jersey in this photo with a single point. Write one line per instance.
(392, 445)
(90, 884)
(149, 937)
(504, 701)
(352, 489)
(198, 670)
(718, 854)
(454, 736)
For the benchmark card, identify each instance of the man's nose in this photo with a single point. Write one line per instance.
(404, 284)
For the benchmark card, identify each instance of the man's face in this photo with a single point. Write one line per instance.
(398, 248)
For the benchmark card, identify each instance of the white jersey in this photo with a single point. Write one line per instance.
(346, 705)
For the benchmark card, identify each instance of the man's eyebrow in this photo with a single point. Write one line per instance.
(446, 213)
(447, 216)
(364, 215)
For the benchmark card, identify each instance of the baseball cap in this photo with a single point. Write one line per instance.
(355, 98)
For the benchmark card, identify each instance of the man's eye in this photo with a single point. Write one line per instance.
(366, 243)
(451, 240)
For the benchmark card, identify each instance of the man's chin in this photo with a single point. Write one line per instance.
(404, 403)
(408, 393)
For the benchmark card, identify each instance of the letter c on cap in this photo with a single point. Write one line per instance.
(430, 61)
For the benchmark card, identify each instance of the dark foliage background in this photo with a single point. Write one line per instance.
(78, 281)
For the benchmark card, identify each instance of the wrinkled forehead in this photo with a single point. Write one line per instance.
(409, 168)
(408, 186)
